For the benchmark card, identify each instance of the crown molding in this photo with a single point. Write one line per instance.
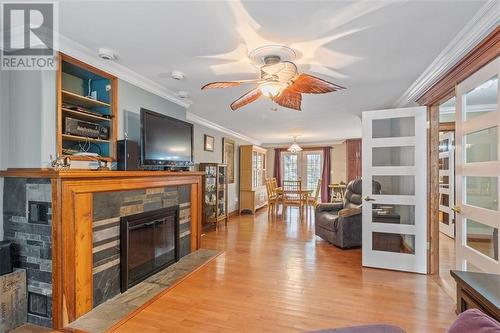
(305, 144)
(207, 123)
(478, 28)
(89, 56)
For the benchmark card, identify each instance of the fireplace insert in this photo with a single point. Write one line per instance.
(149, 243)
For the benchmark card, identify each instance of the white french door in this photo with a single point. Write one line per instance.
(447, 184)
(305, 165)
(395, 219)
(478, 170)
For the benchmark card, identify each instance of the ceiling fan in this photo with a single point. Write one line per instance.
(281, 82)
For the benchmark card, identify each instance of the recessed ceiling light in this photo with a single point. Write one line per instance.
(177, 75)
(183, 94)
(106, 54)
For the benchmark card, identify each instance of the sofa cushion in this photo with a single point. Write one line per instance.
(474, 321)
(328, 221)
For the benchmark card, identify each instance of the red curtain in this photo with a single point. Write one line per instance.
(326, 174)
(277, 165)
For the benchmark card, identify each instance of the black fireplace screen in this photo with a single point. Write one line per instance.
(149, 243)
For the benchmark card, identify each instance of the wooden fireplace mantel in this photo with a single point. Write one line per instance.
(72, 204)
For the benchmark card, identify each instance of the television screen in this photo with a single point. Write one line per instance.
(165, 140)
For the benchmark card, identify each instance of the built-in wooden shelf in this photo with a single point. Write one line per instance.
(75, 81)
(76, 99)
(84, 115)
(82, 139)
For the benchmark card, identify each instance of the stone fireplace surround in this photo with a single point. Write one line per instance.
(64, 226)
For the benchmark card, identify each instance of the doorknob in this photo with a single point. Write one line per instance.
(457, 209)
(367, 198)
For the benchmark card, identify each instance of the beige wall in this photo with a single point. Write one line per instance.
(202, 156)
(338, 162)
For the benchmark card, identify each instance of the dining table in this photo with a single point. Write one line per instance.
(302, 194)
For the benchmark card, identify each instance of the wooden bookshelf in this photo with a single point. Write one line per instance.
(84, 115)
(76, 99)
(75, 81)
(77, 138)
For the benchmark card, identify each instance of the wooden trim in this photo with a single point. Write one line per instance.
(59, 127)
(447, 126)
(57, 292)
(83, 253)
(91, 68)
(72, 205)
(479, 56)
(433, 189)
(90, 174)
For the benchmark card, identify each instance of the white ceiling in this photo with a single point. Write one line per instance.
(376, 49)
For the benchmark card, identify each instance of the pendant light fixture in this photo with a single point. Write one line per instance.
(294, 147)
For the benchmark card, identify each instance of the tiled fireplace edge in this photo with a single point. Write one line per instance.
(108, 208)
(27, 221)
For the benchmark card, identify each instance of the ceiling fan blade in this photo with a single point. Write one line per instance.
(228, 84)
(289, 99)
(308, 84)
(248, 98)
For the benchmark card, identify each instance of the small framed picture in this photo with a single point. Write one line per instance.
(209, 143)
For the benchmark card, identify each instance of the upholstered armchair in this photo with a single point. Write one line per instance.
(340, 223)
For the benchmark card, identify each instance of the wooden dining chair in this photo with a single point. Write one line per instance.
(272, 197)
(291, 199)
(315, 200)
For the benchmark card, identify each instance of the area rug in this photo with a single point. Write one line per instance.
(118, 309)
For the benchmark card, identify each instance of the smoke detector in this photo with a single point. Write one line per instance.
(177, 75)
(106, 54)
(183, 94)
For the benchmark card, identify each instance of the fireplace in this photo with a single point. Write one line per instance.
(149, 243)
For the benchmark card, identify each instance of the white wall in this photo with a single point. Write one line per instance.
(33, 116)
(4, 133)
(202, 156)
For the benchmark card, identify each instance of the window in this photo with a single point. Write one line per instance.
(313, 166)
(290, 167)
(306, 165)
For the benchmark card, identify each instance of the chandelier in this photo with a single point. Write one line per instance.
(294, 147)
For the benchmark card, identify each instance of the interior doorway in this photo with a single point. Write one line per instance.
(468, 176)
(447, 192)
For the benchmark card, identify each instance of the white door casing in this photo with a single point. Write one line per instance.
(395, 221)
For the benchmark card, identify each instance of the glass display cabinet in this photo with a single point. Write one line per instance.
(214, 194)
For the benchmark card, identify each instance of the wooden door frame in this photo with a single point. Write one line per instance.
(487, 50)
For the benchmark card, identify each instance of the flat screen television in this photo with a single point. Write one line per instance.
(165, 140)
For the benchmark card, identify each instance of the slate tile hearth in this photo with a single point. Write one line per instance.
(104, 316)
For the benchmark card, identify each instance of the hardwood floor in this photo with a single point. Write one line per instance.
(446, 263)
(277, 276)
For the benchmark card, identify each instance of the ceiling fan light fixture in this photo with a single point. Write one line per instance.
(272, 89)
